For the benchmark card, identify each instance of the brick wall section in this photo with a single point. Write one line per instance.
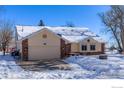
(25, 50)
(91, 53)
(62, 48)
(65, 49)
(103, 48)
(86, 53)
(68, 49)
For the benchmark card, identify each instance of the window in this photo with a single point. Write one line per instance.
(88, 40)
(44, 43)
(92, 47)
(84, 47)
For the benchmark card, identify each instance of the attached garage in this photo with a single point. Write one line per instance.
(43, 52)
(43, 45)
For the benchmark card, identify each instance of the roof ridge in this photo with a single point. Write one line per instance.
(53, 26)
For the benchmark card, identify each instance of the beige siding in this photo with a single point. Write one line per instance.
(92, 42)
(37, 49)
(75, 47)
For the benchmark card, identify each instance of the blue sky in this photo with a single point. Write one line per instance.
(82, 16)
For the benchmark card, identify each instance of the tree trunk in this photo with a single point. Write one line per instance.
(117, 40)
(119, 44)
(122, 39)
(4, 51)
(122, 33)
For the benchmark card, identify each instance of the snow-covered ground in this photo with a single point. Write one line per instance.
(83, 67)
(112, 68)
(10, 70)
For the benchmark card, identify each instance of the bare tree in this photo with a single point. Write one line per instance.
(113, 21)
(119, 13)
(6, 34)
(1, 11)
(41, 23)
(70, 24)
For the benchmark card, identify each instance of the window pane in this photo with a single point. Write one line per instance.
(84, 47)
(92, 47)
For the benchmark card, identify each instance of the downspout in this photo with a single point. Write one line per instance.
(16, 38)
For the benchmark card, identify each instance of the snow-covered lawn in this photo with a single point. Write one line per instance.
(83, 67)
(112, 68)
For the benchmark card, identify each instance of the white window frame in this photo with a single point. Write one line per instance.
(93, 49)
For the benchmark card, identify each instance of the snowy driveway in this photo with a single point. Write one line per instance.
(81, 68)
(49, 64)
(10, 70)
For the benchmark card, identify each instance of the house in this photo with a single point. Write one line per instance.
(43, 42)
(11, 45)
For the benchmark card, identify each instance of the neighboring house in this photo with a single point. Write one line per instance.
(37, 42)
(11, 45)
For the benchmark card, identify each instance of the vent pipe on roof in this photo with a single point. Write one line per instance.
(59, 35)
(22, 29)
